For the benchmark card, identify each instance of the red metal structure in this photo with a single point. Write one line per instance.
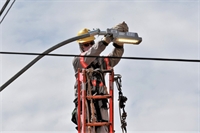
(82, 96)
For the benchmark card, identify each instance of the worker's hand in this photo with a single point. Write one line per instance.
(108, 38)
(121, 27)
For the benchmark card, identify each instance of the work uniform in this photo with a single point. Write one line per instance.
(97, 81)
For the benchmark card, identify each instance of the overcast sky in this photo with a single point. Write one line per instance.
(163, 97)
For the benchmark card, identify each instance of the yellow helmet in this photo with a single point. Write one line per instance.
(88, 39)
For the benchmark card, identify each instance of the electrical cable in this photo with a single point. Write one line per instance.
(130, 58)
(41, 56)
(4, 7)
(7, 12)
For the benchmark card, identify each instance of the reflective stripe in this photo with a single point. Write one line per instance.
(80, 77)
(94, 82)
(101, 84)
(107, 63)
(82, 61)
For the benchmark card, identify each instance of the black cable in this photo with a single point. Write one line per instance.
(41, 56)
(4, 7)
(130, 58)
(7, 12)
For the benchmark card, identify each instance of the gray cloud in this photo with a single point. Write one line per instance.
(162, 96)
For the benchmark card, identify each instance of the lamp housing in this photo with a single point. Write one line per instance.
(125, 37)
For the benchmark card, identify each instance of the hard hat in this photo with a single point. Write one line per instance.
(88, 39)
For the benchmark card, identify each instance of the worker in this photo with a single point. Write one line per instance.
(88, 47)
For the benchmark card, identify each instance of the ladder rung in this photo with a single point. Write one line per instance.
(98, 124)
(98, 97)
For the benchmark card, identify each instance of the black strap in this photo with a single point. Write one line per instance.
(96, 105)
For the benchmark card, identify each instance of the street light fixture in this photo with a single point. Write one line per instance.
(123, 37)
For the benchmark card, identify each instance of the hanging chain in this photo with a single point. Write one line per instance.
(122, 99)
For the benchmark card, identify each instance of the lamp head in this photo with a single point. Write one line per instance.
(125, 37)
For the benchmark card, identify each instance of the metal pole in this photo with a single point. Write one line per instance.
(111, 80)
(79, 103)
(83, 95)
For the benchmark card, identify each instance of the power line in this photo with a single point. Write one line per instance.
(130, 58)
(7, 12)
(65, 42)
(4, 7)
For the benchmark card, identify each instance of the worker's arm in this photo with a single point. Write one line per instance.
(117, 52)
(95, 50)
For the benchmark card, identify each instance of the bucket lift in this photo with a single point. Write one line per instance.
(82, 96)
(84, 123)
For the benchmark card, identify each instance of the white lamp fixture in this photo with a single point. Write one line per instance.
(125, 37)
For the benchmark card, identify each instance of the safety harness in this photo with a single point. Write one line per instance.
(95, 80)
